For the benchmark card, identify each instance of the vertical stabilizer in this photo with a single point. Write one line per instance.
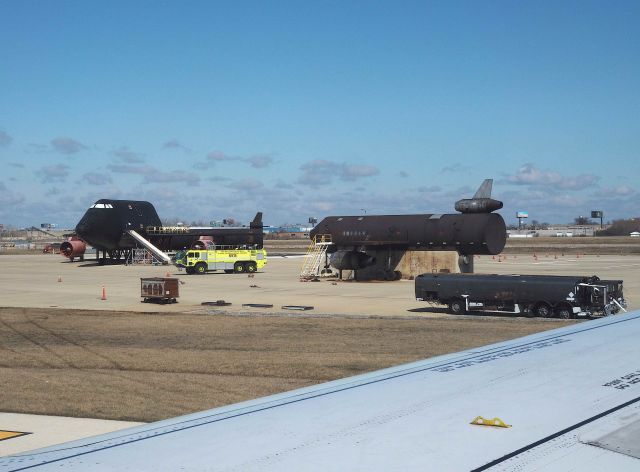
(257, 221)
(485, 189)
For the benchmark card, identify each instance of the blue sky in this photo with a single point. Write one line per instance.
(216, 109)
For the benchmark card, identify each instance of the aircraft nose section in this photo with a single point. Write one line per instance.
(83, 228)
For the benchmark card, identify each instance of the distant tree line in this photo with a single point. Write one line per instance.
(535, 224)
(621, 227)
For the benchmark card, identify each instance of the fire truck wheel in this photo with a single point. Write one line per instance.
(201, 268)
(238, 268)
(251, 267)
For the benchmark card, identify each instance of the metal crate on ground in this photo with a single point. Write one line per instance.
(159, 289)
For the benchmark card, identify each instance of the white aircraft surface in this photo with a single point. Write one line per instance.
(571, 397)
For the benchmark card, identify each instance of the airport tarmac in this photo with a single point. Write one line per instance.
(49, 281)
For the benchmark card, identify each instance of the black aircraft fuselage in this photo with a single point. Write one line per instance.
(355, 240)
(107, 223)
(479, 233)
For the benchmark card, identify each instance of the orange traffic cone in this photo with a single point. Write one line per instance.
(104, 293)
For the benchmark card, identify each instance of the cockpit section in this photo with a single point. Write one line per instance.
(101, 205)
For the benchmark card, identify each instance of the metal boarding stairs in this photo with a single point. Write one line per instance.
(142, 256)
(150, 247)
(315, 257)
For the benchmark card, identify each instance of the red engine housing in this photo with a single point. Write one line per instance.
(72, 248)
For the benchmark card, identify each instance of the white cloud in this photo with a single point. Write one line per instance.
(530, 175)
(95, 178)
(126, 155)
(128, 169)
(219, 156)
(5, 139)
(617, 191)
(322, 172)
(176, 176)
(153, 175)
(250, 185)
(8, 198)
(66, 145)
(54, 173)
(175, 144)
(260, 161)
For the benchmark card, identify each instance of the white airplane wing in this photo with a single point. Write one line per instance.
(571, 397)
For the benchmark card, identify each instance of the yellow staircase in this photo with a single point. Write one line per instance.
(315, 257)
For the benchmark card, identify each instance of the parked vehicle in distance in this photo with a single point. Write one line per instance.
(548, 296)
(51, 248)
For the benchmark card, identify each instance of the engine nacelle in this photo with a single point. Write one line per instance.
(73, 248)
(351, 260)
(478, 205)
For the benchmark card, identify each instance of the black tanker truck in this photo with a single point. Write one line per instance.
(549, 296)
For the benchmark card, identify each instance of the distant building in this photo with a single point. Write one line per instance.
(293, 231)
(557, 231)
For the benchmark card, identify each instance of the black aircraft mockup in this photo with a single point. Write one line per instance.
(114, 227)
(357, 240)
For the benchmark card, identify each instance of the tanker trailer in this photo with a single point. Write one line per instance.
(546, 296)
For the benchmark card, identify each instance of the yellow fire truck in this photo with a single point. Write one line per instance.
(228, 258)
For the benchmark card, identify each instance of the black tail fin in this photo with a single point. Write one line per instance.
(257, 221)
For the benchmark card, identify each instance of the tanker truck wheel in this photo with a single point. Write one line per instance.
(542, 310)
(563, 312)
(457, 306)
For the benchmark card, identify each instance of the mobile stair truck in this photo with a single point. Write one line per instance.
(238, 259)
(548, 296)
